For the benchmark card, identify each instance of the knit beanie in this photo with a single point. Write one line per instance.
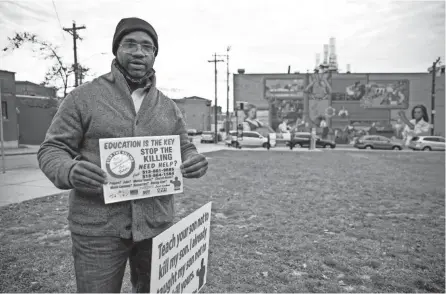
(132, 24)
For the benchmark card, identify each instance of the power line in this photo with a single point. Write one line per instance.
(58, 19)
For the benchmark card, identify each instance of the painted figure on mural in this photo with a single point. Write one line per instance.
(398, 128)
(394, 95)
(343, 113)
(285, 109)
(356, 91)
(387, 94)
(284, 127)
(418, 125)
(323, 124)
(319, 91)
(251, 123)
(319, 88)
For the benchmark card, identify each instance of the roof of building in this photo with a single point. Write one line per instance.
(25, 82)
(182, 100)
(197, 98)
(32, 96)
(2, 70)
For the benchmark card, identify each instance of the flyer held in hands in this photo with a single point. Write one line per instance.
(141, 167)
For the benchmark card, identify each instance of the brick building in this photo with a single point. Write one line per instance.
(358, 99)
(9, 109)
(33, 89)
(37, 106)
(196, 112)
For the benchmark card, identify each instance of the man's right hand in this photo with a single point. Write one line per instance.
(87, 177)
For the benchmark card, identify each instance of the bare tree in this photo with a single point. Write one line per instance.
(59, 73)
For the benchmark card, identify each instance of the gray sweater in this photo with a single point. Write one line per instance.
(104, 108)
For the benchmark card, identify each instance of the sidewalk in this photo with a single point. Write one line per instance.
(24, 184)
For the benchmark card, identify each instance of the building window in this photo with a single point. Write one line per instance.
(4, 110)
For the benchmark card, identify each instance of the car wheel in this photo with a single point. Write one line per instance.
(427, 148)
(299, 145)
(396, 148)
(368, 147)
(327, 146)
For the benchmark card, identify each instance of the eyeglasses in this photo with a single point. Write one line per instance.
(132, 47)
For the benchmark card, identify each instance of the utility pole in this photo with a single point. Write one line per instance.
(73, 32)
(1, 130)
(227, 88)
(434, 72)
(215, 106)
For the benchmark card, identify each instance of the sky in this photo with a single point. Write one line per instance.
(265, 37)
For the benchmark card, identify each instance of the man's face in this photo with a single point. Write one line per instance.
(136, 63)
(418, 113)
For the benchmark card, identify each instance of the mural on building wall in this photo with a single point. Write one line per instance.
(319, 93)
(252, 121)
(286, 114)
(285, 97)
(379, 94)
(286, 111)
(284, 88)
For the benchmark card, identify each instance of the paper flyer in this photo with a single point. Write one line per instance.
(141, 167)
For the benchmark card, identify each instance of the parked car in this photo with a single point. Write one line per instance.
(377, 142)
(427, 143)
(208, 137)
(249, 139)
(192, 132)
(303, 140)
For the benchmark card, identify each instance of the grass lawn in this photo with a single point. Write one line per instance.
(282, 222)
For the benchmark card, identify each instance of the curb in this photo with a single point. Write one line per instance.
(24, 153)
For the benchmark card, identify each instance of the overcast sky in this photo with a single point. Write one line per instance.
(265, 36)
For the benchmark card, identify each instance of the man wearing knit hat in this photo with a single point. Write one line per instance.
(122, 103)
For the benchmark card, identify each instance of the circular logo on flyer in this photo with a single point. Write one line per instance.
(120, 164)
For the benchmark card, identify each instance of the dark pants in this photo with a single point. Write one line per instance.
(100, 262)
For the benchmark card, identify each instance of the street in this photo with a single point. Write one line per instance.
(21, 162)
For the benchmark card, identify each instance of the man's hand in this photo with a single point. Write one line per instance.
(195, 166)
(87, 177)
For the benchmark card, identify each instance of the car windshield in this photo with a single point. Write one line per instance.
(415, 138)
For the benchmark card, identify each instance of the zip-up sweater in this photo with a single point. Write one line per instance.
(103, 108)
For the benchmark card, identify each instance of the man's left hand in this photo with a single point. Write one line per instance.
(195, 166)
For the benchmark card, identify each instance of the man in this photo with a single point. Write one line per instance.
(122, 103)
